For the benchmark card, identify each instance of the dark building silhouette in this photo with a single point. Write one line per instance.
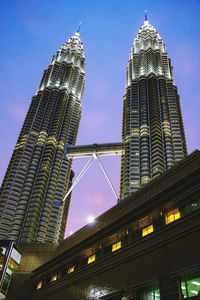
(146, 249)
(38, 175)
(153, 131)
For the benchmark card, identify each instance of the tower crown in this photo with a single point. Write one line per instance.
(74, 43)
(147, 37)
(147, 27)
(71, 50)
(67, 68)
(148, 54)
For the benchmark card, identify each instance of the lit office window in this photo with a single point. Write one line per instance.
(172, 216)
(151, 293)
(54, 277)
(39, 285)
(147, 230)
(192, 206)
(190, 287)
(116, 246)
(70, 270)
(91, 259)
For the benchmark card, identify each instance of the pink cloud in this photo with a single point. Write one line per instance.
(97, 200)
(17, 111)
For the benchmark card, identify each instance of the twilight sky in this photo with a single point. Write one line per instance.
(32, 31)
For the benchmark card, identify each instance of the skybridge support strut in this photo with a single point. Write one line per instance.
(89, 163)
(106, 175)
(83, 171)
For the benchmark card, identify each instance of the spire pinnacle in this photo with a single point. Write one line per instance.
(79, 26)
(145, 15)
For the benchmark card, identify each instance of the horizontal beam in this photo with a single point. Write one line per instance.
(99, 149)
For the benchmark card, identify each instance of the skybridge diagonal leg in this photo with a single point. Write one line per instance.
(83, 171)
(107, 177)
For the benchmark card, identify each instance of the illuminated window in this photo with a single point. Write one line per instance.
(172, 216)
(134, 182)
(91, 259)
(192, 206)
(54, 277)
(147, 230)
(39, 285)
(116, 246)
(190, 287)
(150, 293)
(70, 270)
(145, 179)
(12, 264)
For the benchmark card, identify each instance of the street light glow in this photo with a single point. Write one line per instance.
(90, 219)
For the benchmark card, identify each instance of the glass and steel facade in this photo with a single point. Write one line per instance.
(153, 131)
(9, 262)
(39, 174)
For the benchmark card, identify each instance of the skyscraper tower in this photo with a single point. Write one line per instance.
(153, 131)
(39, 174)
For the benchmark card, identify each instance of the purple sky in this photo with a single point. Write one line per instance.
(31, 32)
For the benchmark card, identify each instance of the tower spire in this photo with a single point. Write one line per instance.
(79, 27)
(145, 15)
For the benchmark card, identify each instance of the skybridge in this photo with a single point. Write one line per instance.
(99, 149)
(93, 152)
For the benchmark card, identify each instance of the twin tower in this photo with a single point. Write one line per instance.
(39, 173)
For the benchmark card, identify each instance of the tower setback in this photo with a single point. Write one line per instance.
(153, 131)
(39, 174)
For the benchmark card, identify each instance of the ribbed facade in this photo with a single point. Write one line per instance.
(39, 173)
(153, 131)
